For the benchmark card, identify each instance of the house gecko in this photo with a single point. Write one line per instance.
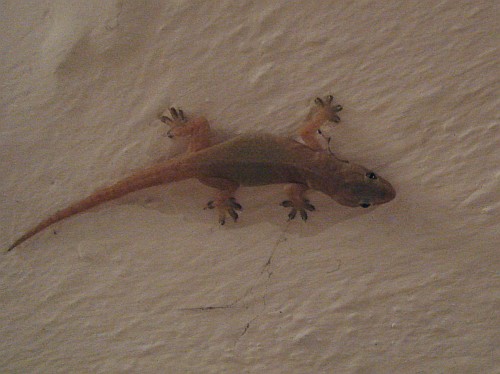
(249, 160)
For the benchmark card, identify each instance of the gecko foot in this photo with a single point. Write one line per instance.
(226, 206)
(329, 108)
(196, 130)
(178, 120)
(299, 206)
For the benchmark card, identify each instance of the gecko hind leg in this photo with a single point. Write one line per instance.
(225, 202)
(197, 130)
(297, 201)
(324, 110)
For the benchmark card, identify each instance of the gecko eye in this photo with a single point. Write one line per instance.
(371, 175)
(364, 205)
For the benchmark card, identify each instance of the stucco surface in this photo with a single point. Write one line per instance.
(151, 283)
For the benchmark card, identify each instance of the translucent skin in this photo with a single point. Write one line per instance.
(253, 160)
(249, 160)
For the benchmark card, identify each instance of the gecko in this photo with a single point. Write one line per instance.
(249, 160)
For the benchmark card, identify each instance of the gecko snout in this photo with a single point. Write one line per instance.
(390, 192)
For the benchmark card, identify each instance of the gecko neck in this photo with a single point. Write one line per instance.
(326, 173)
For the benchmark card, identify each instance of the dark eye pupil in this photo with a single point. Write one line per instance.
(371, 175)
(364, 205)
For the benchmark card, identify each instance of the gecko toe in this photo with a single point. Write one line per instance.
(234, 204)
(165, 119)
(303, 215)
(318, 101)
(308, 206)
(233, 214)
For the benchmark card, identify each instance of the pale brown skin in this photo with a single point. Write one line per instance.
(250, 160)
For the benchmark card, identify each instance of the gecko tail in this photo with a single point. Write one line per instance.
(156, 175)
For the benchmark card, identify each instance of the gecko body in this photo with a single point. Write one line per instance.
(249, 160)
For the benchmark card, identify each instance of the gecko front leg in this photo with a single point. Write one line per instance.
(196, 129)
(297, 201)
(324, 110)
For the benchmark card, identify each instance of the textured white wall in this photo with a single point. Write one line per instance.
(151, 283)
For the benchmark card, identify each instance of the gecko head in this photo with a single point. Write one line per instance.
(363, 188)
